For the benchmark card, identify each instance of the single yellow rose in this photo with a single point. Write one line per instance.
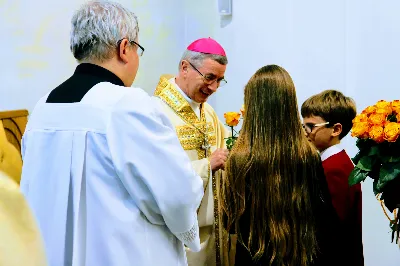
(242, 110)
(392, 131)
(360, 130)
(232, 118)
(377, 119)
(369, 110)
(361, 118)
(383, 104)
(376, 134)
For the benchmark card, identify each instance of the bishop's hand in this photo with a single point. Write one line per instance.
(218, 159)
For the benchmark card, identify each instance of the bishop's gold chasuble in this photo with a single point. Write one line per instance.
(199, 137)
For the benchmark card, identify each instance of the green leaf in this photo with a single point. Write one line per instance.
(363, 144)
(388, 172)
(392, 118)
(360, 143)
(366, 148)
(390, 159)
(366, 163)
(357, 158)
(357, 176)
(373, 151)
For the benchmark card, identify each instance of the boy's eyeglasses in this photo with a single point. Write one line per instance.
(308, 127)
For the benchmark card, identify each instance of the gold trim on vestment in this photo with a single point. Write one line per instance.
(191, 135)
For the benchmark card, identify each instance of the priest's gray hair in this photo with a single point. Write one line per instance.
(197, 58)
(97, 27)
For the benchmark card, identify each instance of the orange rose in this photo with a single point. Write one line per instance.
(386, 111)
(369, 110)
(360, 118)
(395, 103)
(242, 110)
(383, 104)
(392, 131)
(232, 118)
(360, 130)
(398, 117)
(377, 119)
(396, 106)
(376, 134)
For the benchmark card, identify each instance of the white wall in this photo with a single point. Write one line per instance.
(35, 55)
(351, 46)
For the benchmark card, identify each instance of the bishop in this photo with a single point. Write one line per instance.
(184, 100)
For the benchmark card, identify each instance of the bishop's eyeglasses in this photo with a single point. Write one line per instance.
(209, 79)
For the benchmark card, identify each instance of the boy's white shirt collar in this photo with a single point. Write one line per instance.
(332, 150)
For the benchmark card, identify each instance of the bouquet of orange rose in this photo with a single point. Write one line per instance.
(232, 120)
(377, 129)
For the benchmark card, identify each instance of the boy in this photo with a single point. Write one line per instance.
(327, 118)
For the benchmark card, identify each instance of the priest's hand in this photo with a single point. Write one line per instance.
(218, 159)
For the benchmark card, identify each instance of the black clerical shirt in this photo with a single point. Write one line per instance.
(85, 77)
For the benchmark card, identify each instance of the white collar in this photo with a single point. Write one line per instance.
(332, 150)
(195, 105)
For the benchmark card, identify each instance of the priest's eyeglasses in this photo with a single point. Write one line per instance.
(140, 49)
(308, 127)
(209, 79)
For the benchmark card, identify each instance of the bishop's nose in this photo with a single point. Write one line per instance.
(213, 87)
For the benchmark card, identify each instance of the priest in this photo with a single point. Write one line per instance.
(104, 172)
(200, 132)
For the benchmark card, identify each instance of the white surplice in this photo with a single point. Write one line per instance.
(109, 182)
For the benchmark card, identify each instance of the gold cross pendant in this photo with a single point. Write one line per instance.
(206, 146)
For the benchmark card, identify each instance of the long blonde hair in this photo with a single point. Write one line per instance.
(277, 164)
